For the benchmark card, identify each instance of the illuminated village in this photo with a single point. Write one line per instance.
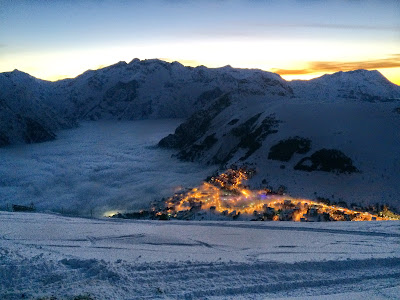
(226, 197)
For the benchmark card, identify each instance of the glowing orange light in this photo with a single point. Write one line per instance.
(227, 195)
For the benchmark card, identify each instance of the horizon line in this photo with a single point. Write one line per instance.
(312, 74)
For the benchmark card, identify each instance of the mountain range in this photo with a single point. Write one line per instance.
(336, 136)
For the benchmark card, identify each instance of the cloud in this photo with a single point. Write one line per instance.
(292, 72)
(99, 167)
(335, 66)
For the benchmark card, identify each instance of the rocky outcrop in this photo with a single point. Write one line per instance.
(36, 133)
(327, 160)
(196, 126)
(285, 149)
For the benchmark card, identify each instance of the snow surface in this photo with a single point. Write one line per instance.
(45, 255)
(98, 167)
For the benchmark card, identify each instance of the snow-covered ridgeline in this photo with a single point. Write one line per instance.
(157, 89)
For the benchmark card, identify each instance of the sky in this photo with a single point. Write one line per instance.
(298, 39)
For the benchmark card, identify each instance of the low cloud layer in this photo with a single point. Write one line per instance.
(98, 167)
(336, 66)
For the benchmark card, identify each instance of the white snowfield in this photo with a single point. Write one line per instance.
(49, 255)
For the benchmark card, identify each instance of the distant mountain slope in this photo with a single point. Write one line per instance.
(156, 89)
(370, 86)
(18, 128)
(24, 117)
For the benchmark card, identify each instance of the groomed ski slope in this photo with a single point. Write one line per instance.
(49, 255)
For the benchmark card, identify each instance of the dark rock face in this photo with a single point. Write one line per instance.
(233, 122)
(285, 149)
(197, 150)
(4, 141)
(197, 139)
(16, 127)
(327, 160)
(248, 136)
(36, 133)
(196, 126)
(208, 96)
(122, 92)
(245, 128)
(251, 138)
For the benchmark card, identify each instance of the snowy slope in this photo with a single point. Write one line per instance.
(49, 255)
(245, 131)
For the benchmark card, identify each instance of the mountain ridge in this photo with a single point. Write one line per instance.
(123, 63)
(151, 89)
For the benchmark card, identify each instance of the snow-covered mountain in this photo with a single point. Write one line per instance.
(24, 115)
(338, 131)
(336, 147)
(155, 89)
(151, 89)
(369, 86)
(138, 90)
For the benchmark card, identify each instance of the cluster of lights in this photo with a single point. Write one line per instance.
(226, 194)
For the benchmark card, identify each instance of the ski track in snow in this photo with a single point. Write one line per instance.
(44, 255)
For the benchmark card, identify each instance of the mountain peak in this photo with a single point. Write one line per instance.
(360, 74)
(118, 64)
(17, 75)
(17, 72)
(365, 85)
(134, 61)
